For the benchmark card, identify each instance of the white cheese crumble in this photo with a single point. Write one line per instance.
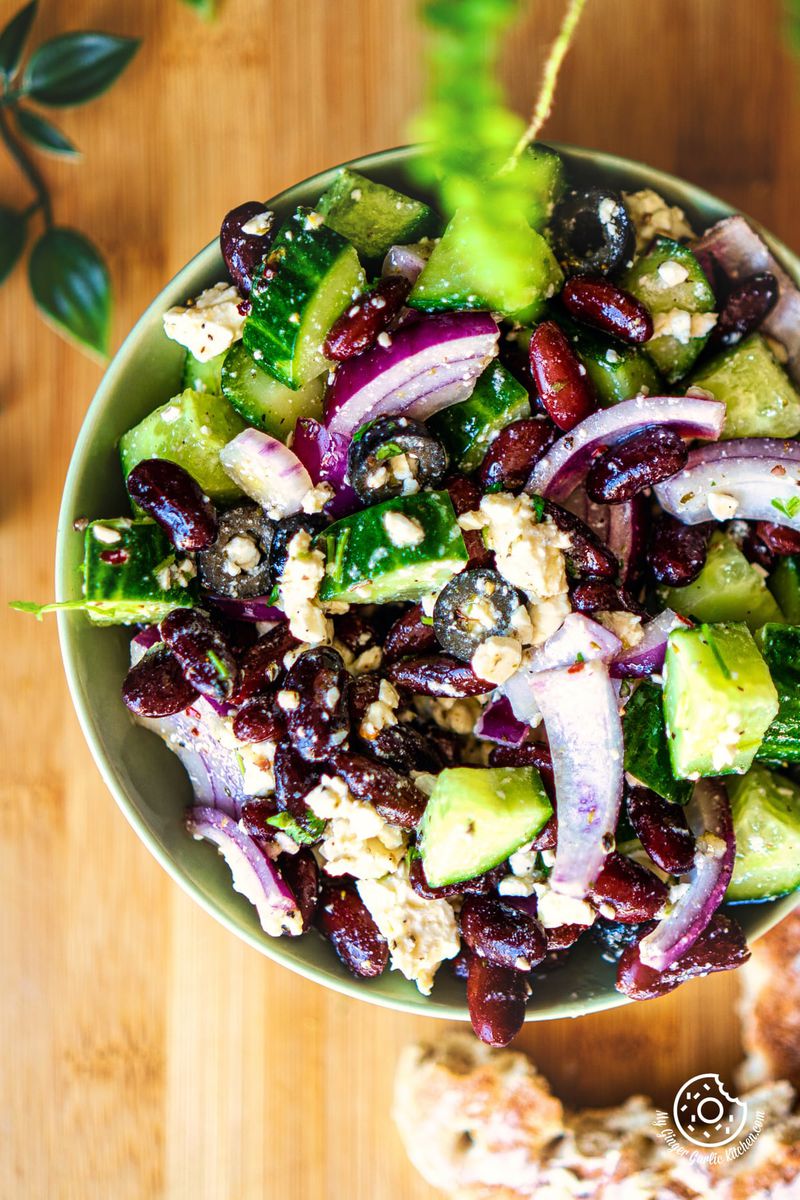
(721, 505)
(315, 500)
(260, 224)
(298, 587)
(210, 324)
(548, 616)
(681, 325)
(421, 933)
(626, 626)
(612, 356)
(496, 659)
(528, 553)
(555, 909)
(457, 715)
(357, 840)
(381, 713)
(671, 273)
(106, 535)
(651, 216)
(403, 530)
(724, 752)
(240, 554)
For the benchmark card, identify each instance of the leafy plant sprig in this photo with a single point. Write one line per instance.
(68, 276)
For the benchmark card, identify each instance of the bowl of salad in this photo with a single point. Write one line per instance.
(444, 642)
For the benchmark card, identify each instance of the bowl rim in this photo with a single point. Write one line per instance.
(274, 949)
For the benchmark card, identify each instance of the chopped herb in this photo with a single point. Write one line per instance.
(789, 508)
(218, 665)
(304, 834)
(389, 450)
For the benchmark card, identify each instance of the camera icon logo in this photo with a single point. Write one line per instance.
(706, 1114)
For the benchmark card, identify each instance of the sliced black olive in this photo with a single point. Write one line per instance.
(472, 607)
(394, 456)
(313, 523)
(592, 232)
(237, 564)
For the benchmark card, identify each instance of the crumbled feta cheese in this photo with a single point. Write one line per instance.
(260, 224)
(672, 273)
(315, 500)
(288, 700)
(403, 530)
(496, 659)
(554, 909)
(106, 535)
(528, 553)
(368, 660)
(703, 323)
(651, 216)
(612, 356)
(208, 326)
(681, 325)
(547, 616)
(257, 758)
(721, 505)
(626, 626)
(298, 586)
(457, 715)
(170, 573)
(357, 840)
(428, 603)
(421, 933)
(381, 712)
(385, 340)
(314, 220)
(240, 554)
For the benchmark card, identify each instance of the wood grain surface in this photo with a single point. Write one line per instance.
(145, 1051)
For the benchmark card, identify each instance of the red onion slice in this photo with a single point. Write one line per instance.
(267, 471)
(254, 876)
(756, 479)
(710, 820)
(324, 456)
(648, 657)
(408, 261)
(578, 636)
(497, 723)
(558, 474)
(248, 608)
(627, 534)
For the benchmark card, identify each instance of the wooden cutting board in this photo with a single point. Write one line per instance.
(146, 1052)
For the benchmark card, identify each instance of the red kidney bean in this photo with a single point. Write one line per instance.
(661, 828)
(747, 303)
(317, 721)
(259, 720)
(447, 744)
(294, 779)
(407, 749)
(600, 595)
(202, 650)
(601, 304)
(721, 947)
(563, 936)
(641, 460)
(780, 539)
(344, 919)
(171, 497)
(243, 252)
(409, 635)
(363, 691)
(496, 999)
(756, 550)
(713, 271)
(156, 686)
(633, 893)
(677, 553)
(114, 558)
(514, 453)
(480, 885)
(371, 314)
(301, 873)
(502, 934)
(464, 493)
(529, 754)
(261, 665)
(562, 382)
(354, 632)
(437, 675)
(587, 555)
(393, 795)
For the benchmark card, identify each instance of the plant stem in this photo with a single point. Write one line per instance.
(552, 66)
(28, 168)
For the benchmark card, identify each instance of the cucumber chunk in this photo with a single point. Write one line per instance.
(476, 817)
(646, 750)
(458, 278)
(766, 821)
(545, 172)
(784, 583)
(780, 645)
(719, 700)
(374, 217)
(123, 579)
(375, 556)
(262, 400)
(728, 588)
(467, 429)
(317, 276)
(673, 354)
(618, 372)
(759, 396)
(203, 376)
(190, 430)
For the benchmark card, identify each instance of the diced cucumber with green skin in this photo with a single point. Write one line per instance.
(190, 430)
(760, 398)
(317, 276)
(458, 277)
(203, 376)
(476, 817)
(368, 564)
(618, 372)
(546, 173)
(374, 217)
(784, 583)
(728, 588)
(262, 400)
(766, 821)
(719, 700)
(467, 429)
(674, 358)
(780, 646)
(646, 750)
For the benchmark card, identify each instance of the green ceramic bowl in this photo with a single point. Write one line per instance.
(146, 780)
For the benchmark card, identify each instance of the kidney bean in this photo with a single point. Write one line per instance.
(393, 795)
(780, 539)
(259, 720)
(407, 749)
(254, 819)
(677, 553)
(243, 252)
(437, 675)
(460, 964)
(756, 550)
(747, 304)
(661, 828)
(354, 632)
(600, 595)
(563, 936)
(448, 744)
(587, 555)
(114, 558)
(363, 691)
(171, 497)
(261, 666)
(496, 999)
(713, 271)
(202, 650)
(409, 635)
(633, 893)
(637, 463)
(480, 885)
(317, 721)
(563, 385)
(371, 314)
(720, 947)
(301, 873)
(464, 494)
(156, 686)
(514, 453)
(344, 919)
(294, 779)
(502, 934)
(601, 304)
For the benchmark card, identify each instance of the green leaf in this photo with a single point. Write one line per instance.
(71, 286)
(13, 228)
(14, 37)
(76, 67)
(206, 8)
(43, 134)
(306, 834)
(789, 508)
(39, 610)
